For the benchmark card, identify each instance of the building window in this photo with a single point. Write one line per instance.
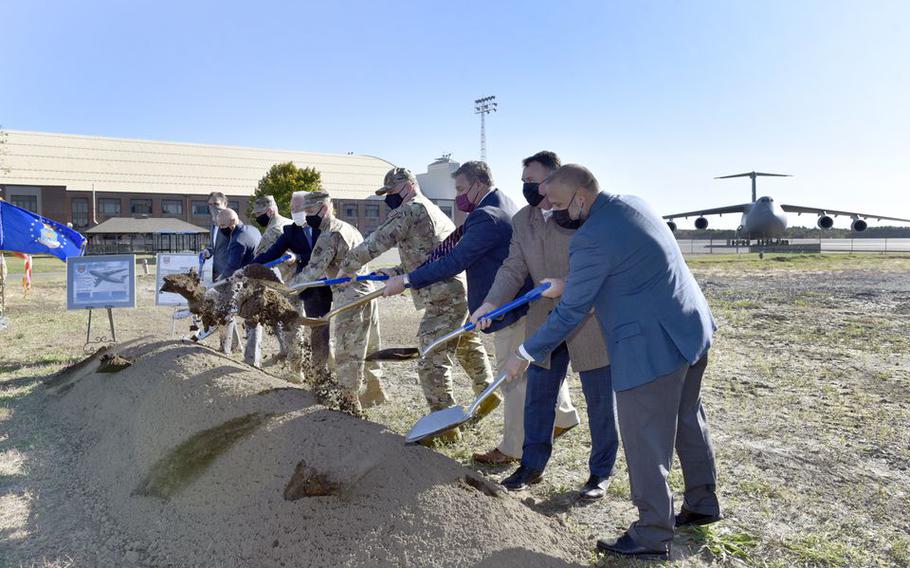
(200, 209)
(140, 206)
(79, 207)
(372, 212)
(235, 205)
(172, 207)
(447, 210)
(109, 207)
(350, 211)
(29, 202)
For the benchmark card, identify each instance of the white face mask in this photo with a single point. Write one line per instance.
(299, 218)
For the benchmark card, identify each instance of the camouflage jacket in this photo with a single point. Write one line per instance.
(336, 239)
(416, 228)
(269, 235)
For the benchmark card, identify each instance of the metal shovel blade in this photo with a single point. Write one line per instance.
(436, 423)
(394, 354)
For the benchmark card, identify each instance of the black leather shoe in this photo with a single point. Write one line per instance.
(522, 478)
(689, 518)
(626, 546)
(594, 488)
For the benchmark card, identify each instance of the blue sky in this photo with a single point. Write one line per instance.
(656, 97)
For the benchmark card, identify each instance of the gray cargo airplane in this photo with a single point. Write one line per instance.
(109, 276)
(764, 219)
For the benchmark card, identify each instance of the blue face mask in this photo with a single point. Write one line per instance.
(394, 201)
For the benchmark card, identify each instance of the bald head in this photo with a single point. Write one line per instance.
(562, 185)
(227, 219)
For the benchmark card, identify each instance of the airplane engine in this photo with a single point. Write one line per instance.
(672, 226)
(858, 225)
(701, 223)
(825, 222)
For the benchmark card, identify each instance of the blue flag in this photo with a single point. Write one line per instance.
(29, 233)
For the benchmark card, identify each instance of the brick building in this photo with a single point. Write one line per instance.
(85, 180)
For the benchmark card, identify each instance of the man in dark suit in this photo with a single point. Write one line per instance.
(216, 253)
(242, 241)
(625, 264)
(298, 239)
(480, 251)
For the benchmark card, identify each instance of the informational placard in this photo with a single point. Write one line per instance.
(173, 263)
(103, 281)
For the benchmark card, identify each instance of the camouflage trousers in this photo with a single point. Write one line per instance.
(435, 370)
(356, 334)
(309, 349)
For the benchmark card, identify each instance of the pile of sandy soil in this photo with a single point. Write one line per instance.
(207, 461)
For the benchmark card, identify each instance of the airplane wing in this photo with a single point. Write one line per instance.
(98, 280)
(816, 211)
(716, 211)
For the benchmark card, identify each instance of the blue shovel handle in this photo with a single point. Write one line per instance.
(527, 298)
(201, 262)
(277, 261)
(373, 276)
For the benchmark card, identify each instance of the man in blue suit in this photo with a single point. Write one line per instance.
(242, 241)
(480, 251)
(298, 239)
(625, 264)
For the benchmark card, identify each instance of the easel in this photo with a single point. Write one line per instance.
(99, 338)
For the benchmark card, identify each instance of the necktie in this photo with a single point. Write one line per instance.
(445, 247)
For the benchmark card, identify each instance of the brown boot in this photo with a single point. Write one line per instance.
(374, 394)
(488, 405)
(444, 439)
(558, 431)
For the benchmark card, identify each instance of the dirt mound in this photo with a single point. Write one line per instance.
(205, 461)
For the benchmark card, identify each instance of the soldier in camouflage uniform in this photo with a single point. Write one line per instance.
(357, 330)
(417, 226)
(265, 212)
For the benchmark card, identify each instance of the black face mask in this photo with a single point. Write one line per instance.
(313, 221)
(531, 190)
(394, 201)
(262, 220)
(561, 218)
(226, 232)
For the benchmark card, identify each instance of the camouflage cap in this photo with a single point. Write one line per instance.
(314, 198)
(262, 204)
(393, 178)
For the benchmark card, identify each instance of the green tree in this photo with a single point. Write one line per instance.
(281, 181)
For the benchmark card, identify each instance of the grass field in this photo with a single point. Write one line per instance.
(807, 392)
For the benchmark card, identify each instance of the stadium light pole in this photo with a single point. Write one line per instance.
(483, 107)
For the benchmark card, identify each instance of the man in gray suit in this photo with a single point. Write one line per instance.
(540, 249)
(625, 263)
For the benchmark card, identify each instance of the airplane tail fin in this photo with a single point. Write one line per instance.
(753, 175)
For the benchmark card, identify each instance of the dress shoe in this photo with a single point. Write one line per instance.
(559, 431)
(488, 405)
(494, 457)
(522, 478)
(594, 488)
(691, 518)
(627, 546)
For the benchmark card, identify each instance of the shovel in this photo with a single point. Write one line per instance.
(271, 264)
(446, 419)
(324, 320)
(394, 354)
(527, 298)
(373, 276)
